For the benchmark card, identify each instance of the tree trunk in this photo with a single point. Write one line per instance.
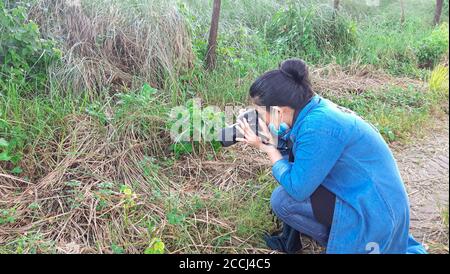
(212, 41)
(335, 7)
(402, 14)
(437, 12)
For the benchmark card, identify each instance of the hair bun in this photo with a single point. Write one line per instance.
(294, 68)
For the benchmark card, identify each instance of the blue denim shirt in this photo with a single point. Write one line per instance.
(347, 155)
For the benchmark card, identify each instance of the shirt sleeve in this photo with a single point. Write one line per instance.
(316, 152)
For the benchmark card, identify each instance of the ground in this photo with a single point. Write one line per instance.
(424, 166)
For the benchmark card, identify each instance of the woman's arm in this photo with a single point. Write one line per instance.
(316, 154)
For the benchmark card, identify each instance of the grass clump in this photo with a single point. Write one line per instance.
(311, 31)
(115, 44)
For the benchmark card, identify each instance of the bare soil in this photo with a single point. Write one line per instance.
(424, 165)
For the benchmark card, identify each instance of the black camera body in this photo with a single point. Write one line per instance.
(228, 135)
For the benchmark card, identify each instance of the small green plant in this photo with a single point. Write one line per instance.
(7, 216)
(9, 151)
(103, 195)
(72, 188)
(33, 243)
(3, 150)
(197, 129)
(156, 245)
(117, 249)
(128, 200)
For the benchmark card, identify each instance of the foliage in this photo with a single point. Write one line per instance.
(439, 82)
(195, 127)
(311, 32)
(24, 55)
(431, 49)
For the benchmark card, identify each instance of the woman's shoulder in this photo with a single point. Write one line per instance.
(329, 118)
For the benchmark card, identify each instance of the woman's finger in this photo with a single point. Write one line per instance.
(242, 140)
(241, 131)
(244, 127)
(249, 129)
(263, 127)
(241, 128)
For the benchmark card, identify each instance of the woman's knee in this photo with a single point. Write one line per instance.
(278, 201)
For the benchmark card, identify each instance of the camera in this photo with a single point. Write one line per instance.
(227, 136)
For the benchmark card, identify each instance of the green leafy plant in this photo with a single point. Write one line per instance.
(24, 54)
(128, 200)
(117, 249)
(7, 216)
(202, 123)
(311, 31)
(156, 245)
(432, 47)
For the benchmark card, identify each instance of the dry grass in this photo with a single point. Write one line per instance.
(334, 80)
(111, 43)
(64, 187)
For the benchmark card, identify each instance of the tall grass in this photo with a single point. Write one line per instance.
(110, 43)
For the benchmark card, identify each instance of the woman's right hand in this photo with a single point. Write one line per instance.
(263, 143)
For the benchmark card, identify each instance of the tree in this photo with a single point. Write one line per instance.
(335, 7)
(212, 41)
(437, 12)
(402, 14)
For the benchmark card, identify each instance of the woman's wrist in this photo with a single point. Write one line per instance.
(273, 153)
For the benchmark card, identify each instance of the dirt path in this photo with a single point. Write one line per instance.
(424, 165)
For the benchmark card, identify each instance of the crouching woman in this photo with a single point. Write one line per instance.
(339, 184)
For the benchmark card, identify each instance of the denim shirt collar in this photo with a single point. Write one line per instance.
(315, 100)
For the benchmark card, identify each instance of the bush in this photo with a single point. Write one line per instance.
(24, 55)
(432, 47)
(438, 81)
(311, 31)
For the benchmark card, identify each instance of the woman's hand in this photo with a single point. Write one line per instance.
(252, 139)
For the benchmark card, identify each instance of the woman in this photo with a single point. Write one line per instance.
(341, 185)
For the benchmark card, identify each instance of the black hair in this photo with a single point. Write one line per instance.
(289, 85)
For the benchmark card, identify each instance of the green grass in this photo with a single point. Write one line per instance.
(395, 112)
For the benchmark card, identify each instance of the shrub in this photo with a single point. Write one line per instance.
(432, 47)
(311, 31)
(438, 81)
(24, 55)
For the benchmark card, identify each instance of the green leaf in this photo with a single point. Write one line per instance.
(16, 170)
(4, 156)
(117, 249)
(3, 143)
(147, 90)
(156, 248)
